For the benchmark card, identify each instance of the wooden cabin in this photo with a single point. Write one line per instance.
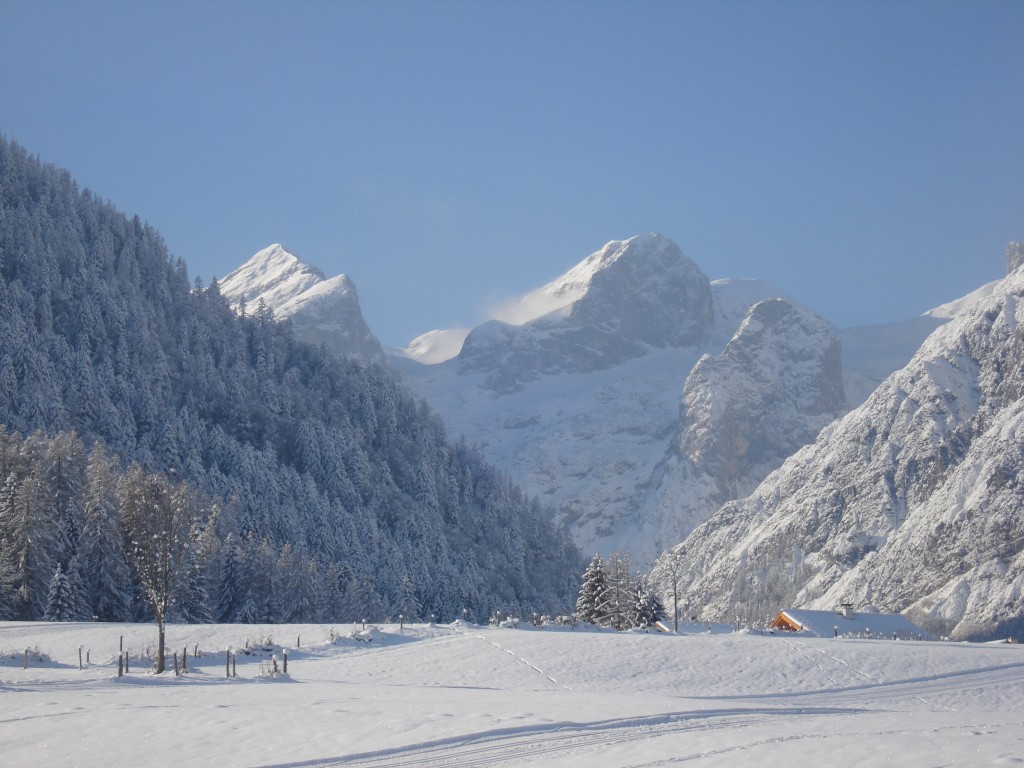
(846, 623)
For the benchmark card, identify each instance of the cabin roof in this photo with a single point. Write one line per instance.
(825, 623)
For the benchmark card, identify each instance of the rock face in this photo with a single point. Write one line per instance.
(771, 390)
(622, 301)
(322, 310)
(912, 502)
(776, 384)
(1014, 256)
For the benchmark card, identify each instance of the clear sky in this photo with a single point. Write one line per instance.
(866, 157)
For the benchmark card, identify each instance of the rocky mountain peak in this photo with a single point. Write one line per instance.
(615, 305)
(322, 310)
(273, 274)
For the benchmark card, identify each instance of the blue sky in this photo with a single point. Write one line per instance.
(866, 157)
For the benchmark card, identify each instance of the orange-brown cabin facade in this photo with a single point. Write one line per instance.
(782, 621)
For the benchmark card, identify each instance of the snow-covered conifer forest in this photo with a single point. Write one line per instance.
(310, 487)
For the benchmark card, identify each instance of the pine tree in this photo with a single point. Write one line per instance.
(247, 613)
(407, 604)
(191, 604)
(8, 576)
(105, 576)
(81, 609)
(60, 603)
(228, 588)
(646, 608)
(592, 593)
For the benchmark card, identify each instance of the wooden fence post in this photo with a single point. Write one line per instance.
(126, 662)
(227, 663)
(120, 665)
(234, 667)
(79, 657)
(24, 662)
(285, 661)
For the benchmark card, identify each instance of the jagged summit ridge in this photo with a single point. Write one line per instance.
(323, 310)
(273, 274)
(620, 302)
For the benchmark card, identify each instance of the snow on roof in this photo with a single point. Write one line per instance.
(826, 623)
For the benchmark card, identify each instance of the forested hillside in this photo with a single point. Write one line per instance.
(317, 472)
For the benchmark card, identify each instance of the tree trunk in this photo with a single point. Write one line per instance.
(160, 647)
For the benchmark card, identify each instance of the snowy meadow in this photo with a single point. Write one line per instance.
(466, 695)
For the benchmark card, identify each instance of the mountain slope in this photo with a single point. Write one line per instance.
(910, 502)
(323, 311)
(776, 384)
(334, 493)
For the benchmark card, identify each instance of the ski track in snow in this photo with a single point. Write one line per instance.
(515, 656)
(790, 738)
(512, 746)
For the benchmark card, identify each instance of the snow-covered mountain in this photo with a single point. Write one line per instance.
(322, 310)
(577, 391)
(743, 412)
(634, 393)
(872, 352)
(618, 304)
(912, 502)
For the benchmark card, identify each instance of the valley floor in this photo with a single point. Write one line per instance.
(463, 695)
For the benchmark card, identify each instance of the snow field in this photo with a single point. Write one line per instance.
(464, 695)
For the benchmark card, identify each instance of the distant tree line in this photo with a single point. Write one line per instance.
(611, 596)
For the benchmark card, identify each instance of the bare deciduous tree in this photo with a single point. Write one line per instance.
(157, 516)
(668, 575)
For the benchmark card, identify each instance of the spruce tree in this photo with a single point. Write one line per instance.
(592, 593)
(8, 578)
(105, 575)
(60, 602)
(647, 609)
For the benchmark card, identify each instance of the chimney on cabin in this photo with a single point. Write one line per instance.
(846, 610)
